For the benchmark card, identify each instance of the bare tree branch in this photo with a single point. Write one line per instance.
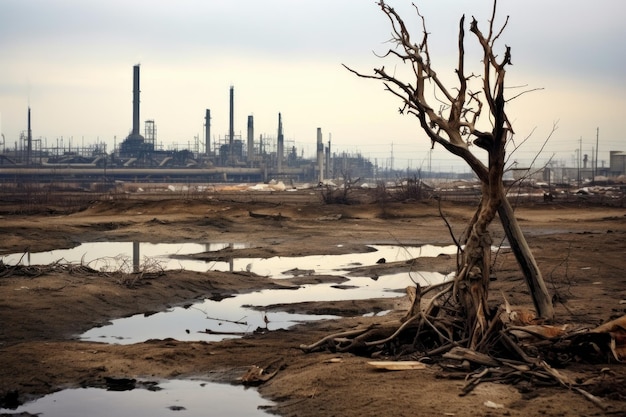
(453, 124)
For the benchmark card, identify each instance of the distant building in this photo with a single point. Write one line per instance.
(617, 163)
(567, 175)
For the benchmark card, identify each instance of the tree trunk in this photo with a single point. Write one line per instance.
(472, 280)
(471, 287)
(526, 261)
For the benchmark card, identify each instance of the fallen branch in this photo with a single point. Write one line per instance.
(267, 216)
(357, 332)
(214, 332)
(464, 354)
(240, 321)
(393, 335)
(257, 375)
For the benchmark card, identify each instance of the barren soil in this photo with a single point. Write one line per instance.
(580, 249)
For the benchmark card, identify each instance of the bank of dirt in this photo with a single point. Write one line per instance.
(580, 249)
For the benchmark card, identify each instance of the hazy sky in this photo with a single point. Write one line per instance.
(71, 61)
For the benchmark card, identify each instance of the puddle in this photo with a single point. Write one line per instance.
(188, 397)
(112, 256)
(210, 320)
(125, 256)
(280, 267)
(207, 321)
(215, 320)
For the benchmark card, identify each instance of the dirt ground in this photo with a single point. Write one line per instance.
(579, 247)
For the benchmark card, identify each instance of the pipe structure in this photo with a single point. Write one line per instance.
(280, 145)
(90, 170)
(207, 132)
(250, 140)
(320, 156)
(136, 92)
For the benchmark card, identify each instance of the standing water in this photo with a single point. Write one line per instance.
(190, 398)
(229, 317)
(113, 256)
(212, 320)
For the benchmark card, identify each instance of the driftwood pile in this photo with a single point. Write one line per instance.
(120, 276)
(33, 271)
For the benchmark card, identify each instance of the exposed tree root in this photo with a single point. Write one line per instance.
(512, 347)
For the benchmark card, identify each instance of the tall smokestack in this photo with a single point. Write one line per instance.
(327, 173)
(250, 139)
(320, 155)
(279, 150)
(135, 101)
(231, 125)
(29, 148)
(207, 131)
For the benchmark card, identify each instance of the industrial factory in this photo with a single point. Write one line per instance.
(256, 158)
(138, 158)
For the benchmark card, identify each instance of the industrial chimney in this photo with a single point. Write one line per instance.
(207, 132)
(134, 145)
(320, 155)
(29, 149)
(250, 140)
(327, 172)
(135, 131)
(231, 124)
(280, 145)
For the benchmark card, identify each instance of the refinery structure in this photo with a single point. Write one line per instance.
(139, 158)
(233, 158)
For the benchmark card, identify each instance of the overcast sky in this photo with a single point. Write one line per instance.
(71, 61)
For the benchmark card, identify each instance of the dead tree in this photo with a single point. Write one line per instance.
(465, 119)
(451, 322)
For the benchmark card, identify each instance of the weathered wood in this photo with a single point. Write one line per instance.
(323, 341)
(462, 354)
(397, 365)
(256, 375)
(525, 259)
(415, 298)
(267, 216)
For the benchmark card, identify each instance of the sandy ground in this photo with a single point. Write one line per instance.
(580, 249)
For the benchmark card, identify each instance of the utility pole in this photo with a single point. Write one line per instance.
(430, 162)
(580, 155)
(597, 144)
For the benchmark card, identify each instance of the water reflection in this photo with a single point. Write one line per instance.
(191, 398)
(214, 320)
(128, 256)
(231, 317)
(123, 256)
